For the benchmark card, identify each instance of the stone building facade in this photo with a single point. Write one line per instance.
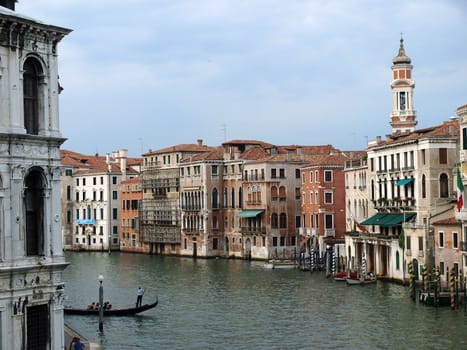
(31, 256)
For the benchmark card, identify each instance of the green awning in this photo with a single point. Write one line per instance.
(249, 213)
(388, 220)
(404, 182)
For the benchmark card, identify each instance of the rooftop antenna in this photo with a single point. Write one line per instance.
(224, 130)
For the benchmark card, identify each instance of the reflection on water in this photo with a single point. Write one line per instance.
(232, 304)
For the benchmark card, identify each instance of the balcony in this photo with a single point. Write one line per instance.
(253, 230)
(329, 232)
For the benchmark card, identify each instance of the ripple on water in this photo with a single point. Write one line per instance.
(230, 304)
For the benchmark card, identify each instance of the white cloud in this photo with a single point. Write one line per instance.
(291, 71)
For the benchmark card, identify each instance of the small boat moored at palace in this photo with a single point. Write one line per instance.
(343, 275)
(360, 281)
(111, 312)
(280, 264)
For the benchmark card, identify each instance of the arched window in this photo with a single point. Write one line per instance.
(32, 72)
(274, 195)
(233, 198)
(283, 220)
(423, 186)
(215, 199)
(226, 199)
(274, 221)
(34, 209)
(282, 195)
(443, 186)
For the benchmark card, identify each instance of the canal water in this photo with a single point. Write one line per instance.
(235, 304)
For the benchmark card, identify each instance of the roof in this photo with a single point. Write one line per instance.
(448, 128)
(85, 164)
(449, 221)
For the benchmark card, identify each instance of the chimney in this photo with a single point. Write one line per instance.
(200, 142)
(9, 4)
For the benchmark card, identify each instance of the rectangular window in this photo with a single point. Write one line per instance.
(441, 239)
(420, 244)
(297, 173)
(282, 241)
(102, 180)
(77, 196)
(114, 213)
(282, 173)
(408, 244)
(273, 173)
(84, 181)
(443, 156)
(68, 216)
(316, 176)
(441, 268)
(372, 164)
(274, 241)
(114, 195)
(68, 193)
(298, 221)
(328, 197)
(328, 175)
(464, 138)
(423, 156)
(328, 221)
(455, 240)
(214, 170)
(94, 180)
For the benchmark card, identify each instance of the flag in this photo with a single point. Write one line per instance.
(460, 191)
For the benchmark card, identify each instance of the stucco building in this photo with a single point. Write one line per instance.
(410, 184)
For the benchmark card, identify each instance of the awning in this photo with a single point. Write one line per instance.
(388, 220)
(85, 221)
(404, 182)
(249, 213)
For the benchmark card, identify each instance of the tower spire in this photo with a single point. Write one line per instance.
(403, 116)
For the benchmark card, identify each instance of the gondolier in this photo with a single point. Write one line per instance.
(139, 296)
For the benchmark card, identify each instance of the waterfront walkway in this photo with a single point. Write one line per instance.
(70, 333)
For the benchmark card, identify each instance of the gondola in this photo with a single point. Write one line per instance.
(112, 312)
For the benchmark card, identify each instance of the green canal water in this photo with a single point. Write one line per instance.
(233, 304)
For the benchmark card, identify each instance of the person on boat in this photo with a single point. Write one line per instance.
(139, 296)
(76, 344)
(92, 306)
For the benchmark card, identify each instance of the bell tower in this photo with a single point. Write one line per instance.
(403, 118)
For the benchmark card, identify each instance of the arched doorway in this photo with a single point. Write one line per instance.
(248, 249)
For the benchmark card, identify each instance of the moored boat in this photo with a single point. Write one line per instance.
(280, 264)
(112, 312)
(342, 276)
(360, 281)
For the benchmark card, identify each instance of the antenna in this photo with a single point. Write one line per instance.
(224, 130)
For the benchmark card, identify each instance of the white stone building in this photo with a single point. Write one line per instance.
(410, 184)
(31, 258)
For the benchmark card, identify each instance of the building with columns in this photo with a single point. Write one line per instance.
(31, 256)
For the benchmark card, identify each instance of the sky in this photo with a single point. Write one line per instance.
(148, 74)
